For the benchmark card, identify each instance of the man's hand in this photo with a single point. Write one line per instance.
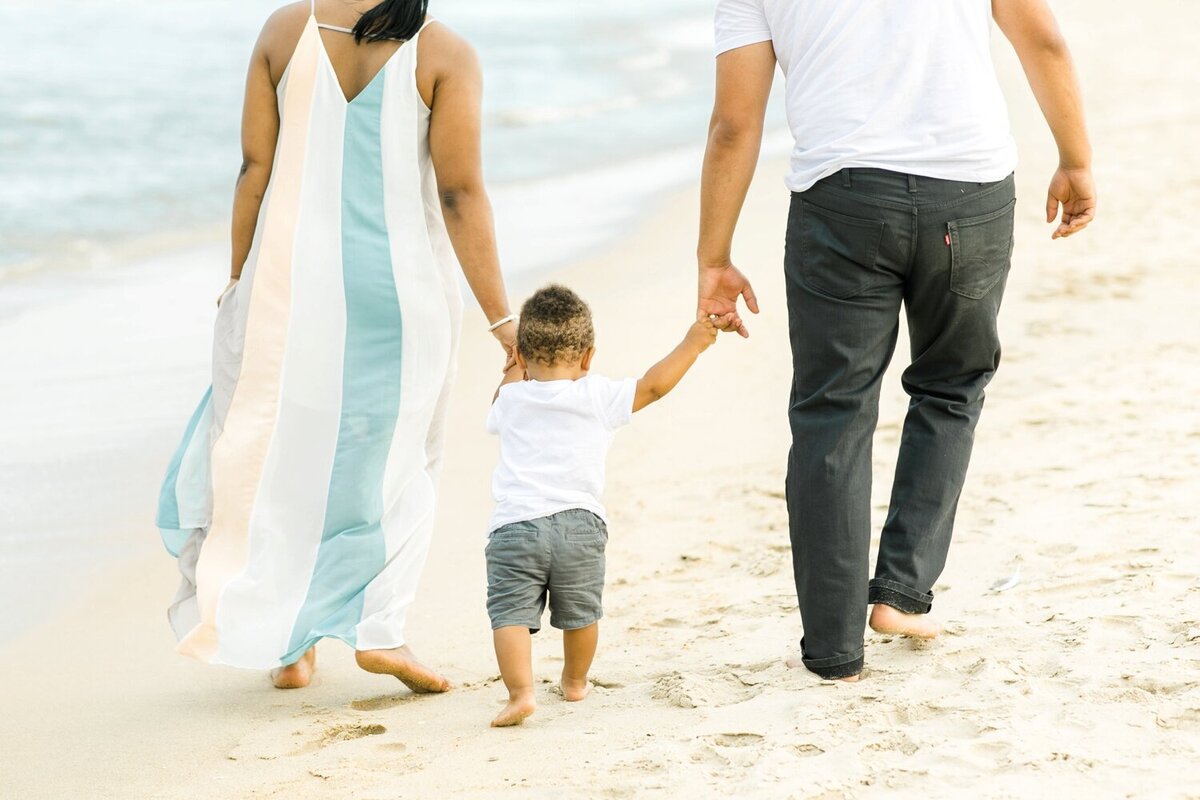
(1075, 191)
(720, 288)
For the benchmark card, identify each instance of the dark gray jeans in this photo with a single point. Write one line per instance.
(859, 244)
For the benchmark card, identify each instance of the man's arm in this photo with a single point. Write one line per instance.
(1031, 28)
(734, 139)
(666, 374)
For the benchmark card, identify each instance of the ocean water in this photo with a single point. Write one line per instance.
(119, 119)
(118, 152)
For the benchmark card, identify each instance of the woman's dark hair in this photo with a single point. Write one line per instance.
(392, 19)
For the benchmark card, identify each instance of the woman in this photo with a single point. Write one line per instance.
(300, 503)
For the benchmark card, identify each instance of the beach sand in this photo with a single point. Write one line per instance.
(1080, 678)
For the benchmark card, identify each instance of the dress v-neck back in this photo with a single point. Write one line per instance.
(403, 43)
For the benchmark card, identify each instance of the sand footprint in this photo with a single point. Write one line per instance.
(699, 691)
(381, 703)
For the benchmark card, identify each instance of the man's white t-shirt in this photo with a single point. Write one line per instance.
(901, 85)
(554, 440)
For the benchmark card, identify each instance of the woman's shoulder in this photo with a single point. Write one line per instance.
(441, 44)
(289, 16)
(284, 26)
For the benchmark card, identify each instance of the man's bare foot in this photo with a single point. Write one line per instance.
(885, 619)
(795, 662)
(574, 690)
(402, 664)
(298, 675)
(520, 706)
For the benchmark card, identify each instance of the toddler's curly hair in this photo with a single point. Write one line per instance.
(555, 326)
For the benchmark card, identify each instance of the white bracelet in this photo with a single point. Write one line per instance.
(501, 323)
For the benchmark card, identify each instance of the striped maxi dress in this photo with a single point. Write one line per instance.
(300, 502)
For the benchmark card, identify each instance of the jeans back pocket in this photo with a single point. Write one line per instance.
(837, 251)
(980, 251)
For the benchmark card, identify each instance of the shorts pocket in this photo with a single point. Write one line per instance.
(512, 534)
(980, 251)
(837, 251)
(586, 533)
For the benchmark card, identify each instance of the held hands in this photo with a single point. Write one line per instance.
(702, 334)
(720, 287)
(1075, 191)
(506, 335)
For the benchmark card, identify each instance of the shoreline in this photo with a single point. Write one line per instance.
(1087, 460)
(180, 270)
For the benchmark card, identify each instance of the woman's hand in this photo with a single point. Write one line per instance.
(225, 291)
(506, 335)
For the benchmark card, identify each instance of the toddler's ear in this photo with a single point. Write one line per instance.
(585, 363)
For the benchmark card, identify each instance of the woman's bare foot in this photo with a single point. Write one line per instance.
(798, 663)
(885, 619)
(575, 690)
(520, 706)
(402, 664)
(298, 675)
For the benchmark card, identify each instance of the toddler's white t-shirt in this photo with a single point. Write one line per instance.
(554, 440)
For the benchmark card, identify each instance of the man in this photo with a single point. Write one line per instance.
(902, 193)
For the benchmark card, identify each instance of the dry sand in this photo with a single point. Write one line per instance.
(1082, 679)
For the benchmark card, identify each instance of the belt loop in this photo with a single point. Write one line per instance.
(846, 178)
(912, 184)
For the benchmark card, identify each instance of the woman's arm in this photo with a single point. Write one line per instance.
(454, 144)
(260, 130)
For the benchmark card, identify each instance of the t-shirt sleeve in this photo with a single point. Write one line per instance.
(493, 419)
(739, 23)
(613, 400)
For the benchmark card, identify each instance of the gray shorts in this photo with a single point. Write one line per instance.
(561, 555)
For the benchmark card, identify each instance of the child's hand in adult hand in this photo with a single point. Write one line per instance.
(702, 333)
(720, 288)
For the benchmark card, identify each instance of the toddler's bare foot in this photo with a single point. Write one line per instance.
(298, 675)
(520, 706)
(575, 690)
(402, 664)
(885, 619)
(795, 662)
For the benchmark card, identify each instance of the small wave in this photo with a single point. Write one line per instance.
(534, 116)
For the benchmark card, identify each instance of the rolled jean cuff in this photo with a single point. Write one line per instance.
(898, 596)
(833, 667)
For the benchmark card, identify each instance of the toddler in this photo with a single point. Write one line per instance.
(555, 422)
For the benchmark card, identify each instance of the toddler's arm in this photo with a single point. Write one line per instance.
(511, 375)
(663, 376)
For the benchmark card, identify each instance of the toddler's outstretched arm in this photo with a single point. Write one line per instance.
(663, 376)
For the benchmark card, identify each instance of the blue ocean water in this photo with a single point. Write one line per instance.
(119, 118)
